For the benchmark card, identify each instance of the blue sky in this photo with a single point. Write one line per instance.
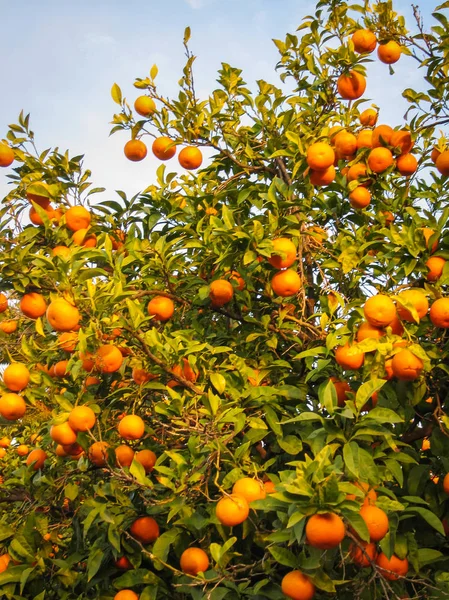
(61, 58)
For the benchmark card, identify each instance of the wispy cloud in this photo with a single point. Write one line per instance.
(98, 39)
(195, 3)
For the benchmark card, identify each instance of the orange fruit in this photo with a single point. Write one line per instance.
(269, 487)
(345, 143)
(87, 361)
(36, 219)
(435, 264)
(126, 595)
(297, 586)
(141, 376)
(382, 135)
(363, 558)
(428, 233)
(360, 197)
(434, 154)
(439, 313)
(124, 455)
(417, 298)
(16, 377)
(442, 163)
(324, 177)
(135, 150)
(4, 562)
(366, 330)
(238, 279)
(33, 305)
(82, 237)
(286, 248)
(320, 156)
(357, 171)
(131, 427)
(145, 529)
(325, 531)
(161, 149)
(59, 369)
(38, 457)
(425, 445)
(232, 510)
(221, 292)
(123, 563)
(63, 434)
(406, 365)
(379, 310)
(379, 159)
(77, 217)
(190, 158)
(161, 307)
(68, 340)
(3, 303)
(185, 371)
(82, 418)
(389, 53)
(368, 118)
(365, 138)
(364, 41)
(351, 85)
(62, 315)
(446, 484)
(402, 140)
(98, 453)
(12, 406)
(108, 359)
(5, 442)
(407, 164)
(194, 561)
(286, 283)
(370, 494)
(6, 155)
(249, 488)
(144, 106)
(342, 388)
(22, 450)
(392, 568)
(62, 252)
(147, 458)
(348, 357)
(376, 520)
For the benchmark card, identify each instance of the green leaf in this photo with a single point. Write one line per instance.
(5, 532)
(162, 545)
(428, 516)
(116, 94)
(384, 415)
(71, 491)
(358, 524)
(351, 458)
(94, 562)
(283, 556)
(218, 381)
(136, 577)
(366, 390)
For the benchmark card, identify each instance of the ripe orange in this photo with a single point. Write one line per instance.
(131, 427)
(77, 217)
(407, 164)
(417, 298)
(285, 247)
(185, 371)
(145, 529)
(406, 365)
(376, 520)
(379, 310)
(342, 388)
(62, 251)
(63, 434)
(442, 163)
(22, 450)
(368, 117)
(36, 219)
(87, 361)
(321, 178)
(33, 305)
(382, 135)
(348, 357)
(320, 156)
(161, 307)
(365, 138)
(126, 595)
(5, 442)
(141, 376)
(147, 458)
(351, 85)
(366, 330)
(357, 171)
(135, 150)
(68, 340)
(98, 453)
(4, 562)
(249, 488)
(12, 406)
(144, 106)
(38, 457)
(124, 455)
(16, 377)
(389, 53)
(439, 313)
(62, 315)
(161, 149)
(232, 510)
(379, 159)
(123, 563)
(59, 369)
(364, 41)
(446, 484)
(325, 531)
(345, 143)
(3, 303)
(370, 494)
(194, 561)
(360, 197)
(428, 233)
(401, 140)
(82, 237)
(6, 155)
(238, 280)
(425, 445)
(269, 487)
(82, 418)
(190, 158)
(108, 359)
(297, 586)
(435, 264)
(221, 292)
(363, 558)
(397, 566)
(286, 283)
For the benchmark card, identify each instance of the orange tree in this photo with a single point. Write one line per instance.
(234, 384)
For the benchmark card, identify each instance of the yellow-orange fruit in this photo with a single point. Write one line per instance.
(16, 377)
(38, 457)
(144, 106)
(62, 315)
(12, 406)
(389, 53)
(379, 310)
(108, 359)
(348, 357)
(288, 250)
(364, 41)
(392, 568)
(161, 307)
(161, 149)
(297, 586)
(286, 283)
(351, 85)
(194, 561)
(135, 150)
(131, 427)
(406, 365)
(249, 488)
(82, 418)
(376, 520)
(320, 156)
(145, 529)
(232, 510)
